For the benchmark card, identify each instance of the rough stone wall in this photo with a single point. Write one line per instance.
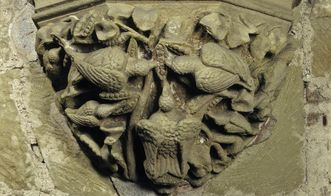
(38, 155)
(316, 23)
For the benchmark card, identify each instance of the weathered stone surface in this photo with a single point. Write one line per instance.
(321, 45)
(281, 9)
(179, 125)
(23, 28)
(16, 174)
(37, 155)
(275, 166)
(16, 161)
(130, 188)
(317, 137)
(68, 166)
(318, 140)
(125, 188)
(19, 177)
(41, 3)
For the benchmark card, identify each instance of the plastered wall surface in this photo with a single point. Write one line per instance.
(39, 156)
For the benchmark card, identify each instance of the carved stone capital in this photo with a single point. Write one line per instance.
(162, 91)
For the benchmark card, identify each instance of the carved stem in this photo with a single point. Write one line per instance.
(134, 33)
(137, 115)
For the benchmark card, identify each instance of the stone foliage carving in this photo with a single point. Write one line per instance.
(172, 100)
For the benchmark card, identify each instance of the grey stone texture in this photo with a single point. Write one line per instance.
(39, 156)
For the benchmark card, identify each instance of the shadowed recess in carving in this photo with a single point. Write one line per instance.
(169, 98)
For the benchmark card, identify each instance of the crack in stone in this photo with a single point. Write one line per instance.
(304, 32)
(307, 38)
(21, 88)
(20, 96)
